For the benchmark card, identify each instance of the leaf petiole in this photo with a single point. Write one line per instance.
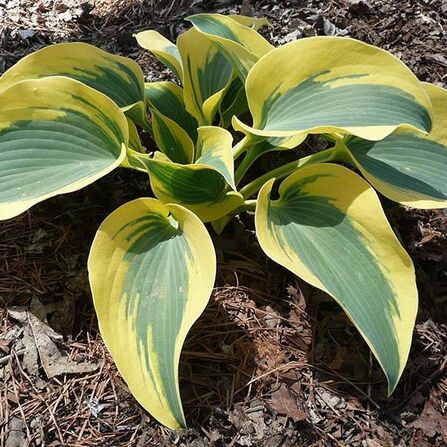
(283, 171)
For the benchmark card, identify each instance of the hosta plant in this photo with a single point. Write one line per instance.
(71, 113)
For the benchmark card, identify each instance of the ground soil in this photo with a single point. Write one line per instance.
(272, 362)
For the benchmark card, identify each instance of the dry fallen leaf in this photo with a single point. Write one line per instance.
(16, 433)
(39, 340)
(286, 403)
(431, 422)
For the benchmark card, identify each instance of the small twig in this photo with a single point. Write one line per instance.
(22, 413)
(52, 417)
(6, 358)
(335, 373)
(286, 366)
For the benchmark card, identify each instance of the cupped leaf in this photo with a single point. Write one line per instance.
(120, 78)
(167, 99)
(251, 22)
(328, 227)
(234, 103)
(56, 136)
(207, 75)
(134, 138)
(134, 160)
(254, 146)
(171, 139)
(197, 187)
(135, 150)
(163, 49)
(214, 150)
(407, 167)
(206, 187)
(242, 45)
(152, 269)
(262, 144)
(333, 84)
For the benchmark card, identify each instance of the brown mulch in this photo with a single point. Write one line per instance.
(272, 362)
